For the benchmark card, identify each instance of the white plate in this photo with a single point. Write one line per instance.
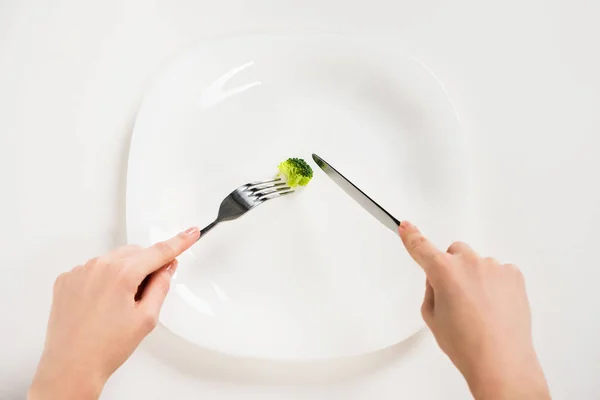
(311, 275)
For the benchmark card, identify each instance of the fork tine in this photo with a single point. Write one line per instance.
(259, 188)
(262, 185)
(275, 195)
(270, 189)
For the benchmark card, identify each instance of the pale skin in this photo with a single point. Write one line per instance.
(476, 308)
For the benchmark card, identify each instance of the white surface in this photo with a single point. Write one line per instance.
(523, 75)
(300, 277)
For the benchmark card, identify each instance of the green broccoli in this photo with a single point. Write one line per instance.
(296, 172)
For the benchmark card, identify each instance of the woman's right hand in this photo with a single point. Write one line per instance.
(478, 311)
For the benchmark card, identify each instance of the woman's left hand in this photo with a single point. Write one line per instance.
(100, 314)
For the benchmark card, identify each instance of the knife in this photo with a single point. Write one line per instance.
(358, 195)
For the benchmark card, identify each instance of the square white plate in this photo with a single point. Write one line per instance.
(310, 275)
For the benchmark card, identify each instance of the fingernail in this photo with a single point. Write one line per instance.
(406, 225)
(172, 267)
(192, 231)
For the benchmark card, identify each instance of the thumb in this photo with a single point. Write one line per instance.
(157, 289)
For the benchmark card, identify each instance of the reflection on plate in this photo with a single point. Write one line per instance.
(310, 275)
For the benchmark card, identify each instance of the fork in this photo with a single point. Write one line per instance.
(246, 197)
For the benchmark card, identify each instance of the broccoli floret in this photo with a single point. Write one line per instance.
(296, 171)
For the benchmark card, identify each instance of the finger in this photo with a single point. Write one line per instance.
(427, 308)
(152, 258)
(125, 251)
(157, 288)
(419, 247)
(459, 248)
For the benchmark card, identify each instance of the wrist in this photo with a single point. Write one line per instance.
(64, 381)
(501, 379)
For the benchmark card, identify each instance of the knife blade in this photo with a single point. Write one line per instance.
(387, 219)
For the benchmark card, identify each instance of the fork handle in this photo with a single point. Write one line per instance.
(208, 228)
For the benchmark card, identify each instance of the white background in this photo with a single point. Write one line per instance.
(522, 73)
